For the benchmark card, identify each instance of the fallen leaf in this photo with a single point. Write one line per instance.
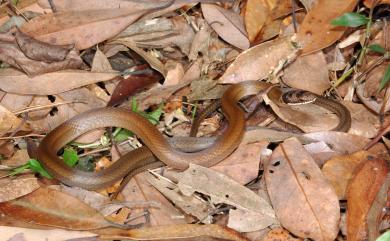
(256, 15)
(339, 141)
(368, 3)
(364, 122)
(258, 62)
(339, 170)
(222, 189)
(227, 24)
(316, 32)
(279, 234)
(100, 62)
(8, 121)
(17, 82)
(304, 201)
(52, 208)
(82, 28)
(12, 188)
(29, 234)
(309, 73)
(171, 232)
(361, 192)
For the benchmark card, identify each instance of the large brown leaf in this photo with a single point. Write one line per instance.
(53, 208)
(361, 193)
(17, 82)
(82, 28)
(316, 31)
(303, 200)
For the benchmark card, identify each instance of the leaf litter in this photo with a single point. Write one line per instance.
(167, 60)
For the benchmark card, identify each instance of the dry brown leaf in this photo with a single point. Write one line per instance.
(8, 120)
(368, 3)
(316, 32)
(227, 24)
(172, 232)
(259, 61)
(364, 122)
(256, 15)
(20, 157)
(243, 164)
(340, 141)
(339, 170)
(11, 54)
(361, 192)
(309, 4)
(12, 188)
(309, 73)
(17, 82)
(30, 234)
(139, 189)
(304, 202)
(279, 234)
(100, 62)
(52, 208)
(82, 28)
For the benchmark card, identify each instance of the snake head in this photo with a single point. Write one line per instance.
(298, 97)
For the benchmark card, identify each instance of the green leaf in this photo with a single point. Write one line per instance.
(155, 115)
(123, 134)
(134, 105)
(386, 78)
(19, 170)
(37, 167)
(350, 20)
(70, 156)
(384, 236)
(377, 48)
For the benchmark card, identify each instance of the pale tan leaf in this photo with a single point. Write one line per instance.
(308, 73)
(12, 188)
(100, 62)
(316, 32)
(258, 62)
(303, 200)
(17, 82)
(256, 14)
(227, 24)
(364, 122)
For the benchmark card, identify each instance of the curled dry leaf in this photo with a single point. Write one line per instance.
(339, 170)
(308, 73)
(17, 82)
(260, 61)
(361, 192)
(82, 28)
(53, 208)
(371, 103)
(12, 188)
(41, 51)
(256, 15)
(11, 54)
(316, 32)
(304, 202)
(364, 122)
(227, 24)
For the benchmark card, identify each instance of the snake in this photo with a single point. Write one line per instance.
(157, 150)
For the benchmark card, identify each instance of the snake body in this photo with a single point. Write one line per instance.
(157, 150)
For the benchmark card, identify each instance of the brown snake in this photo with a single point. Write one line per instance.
(157, 150)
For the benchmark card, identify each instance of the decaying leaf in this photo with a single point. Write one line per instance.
(260, 61)
(304, 202)
(222, 189)
(227, 24)
(361, 192)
